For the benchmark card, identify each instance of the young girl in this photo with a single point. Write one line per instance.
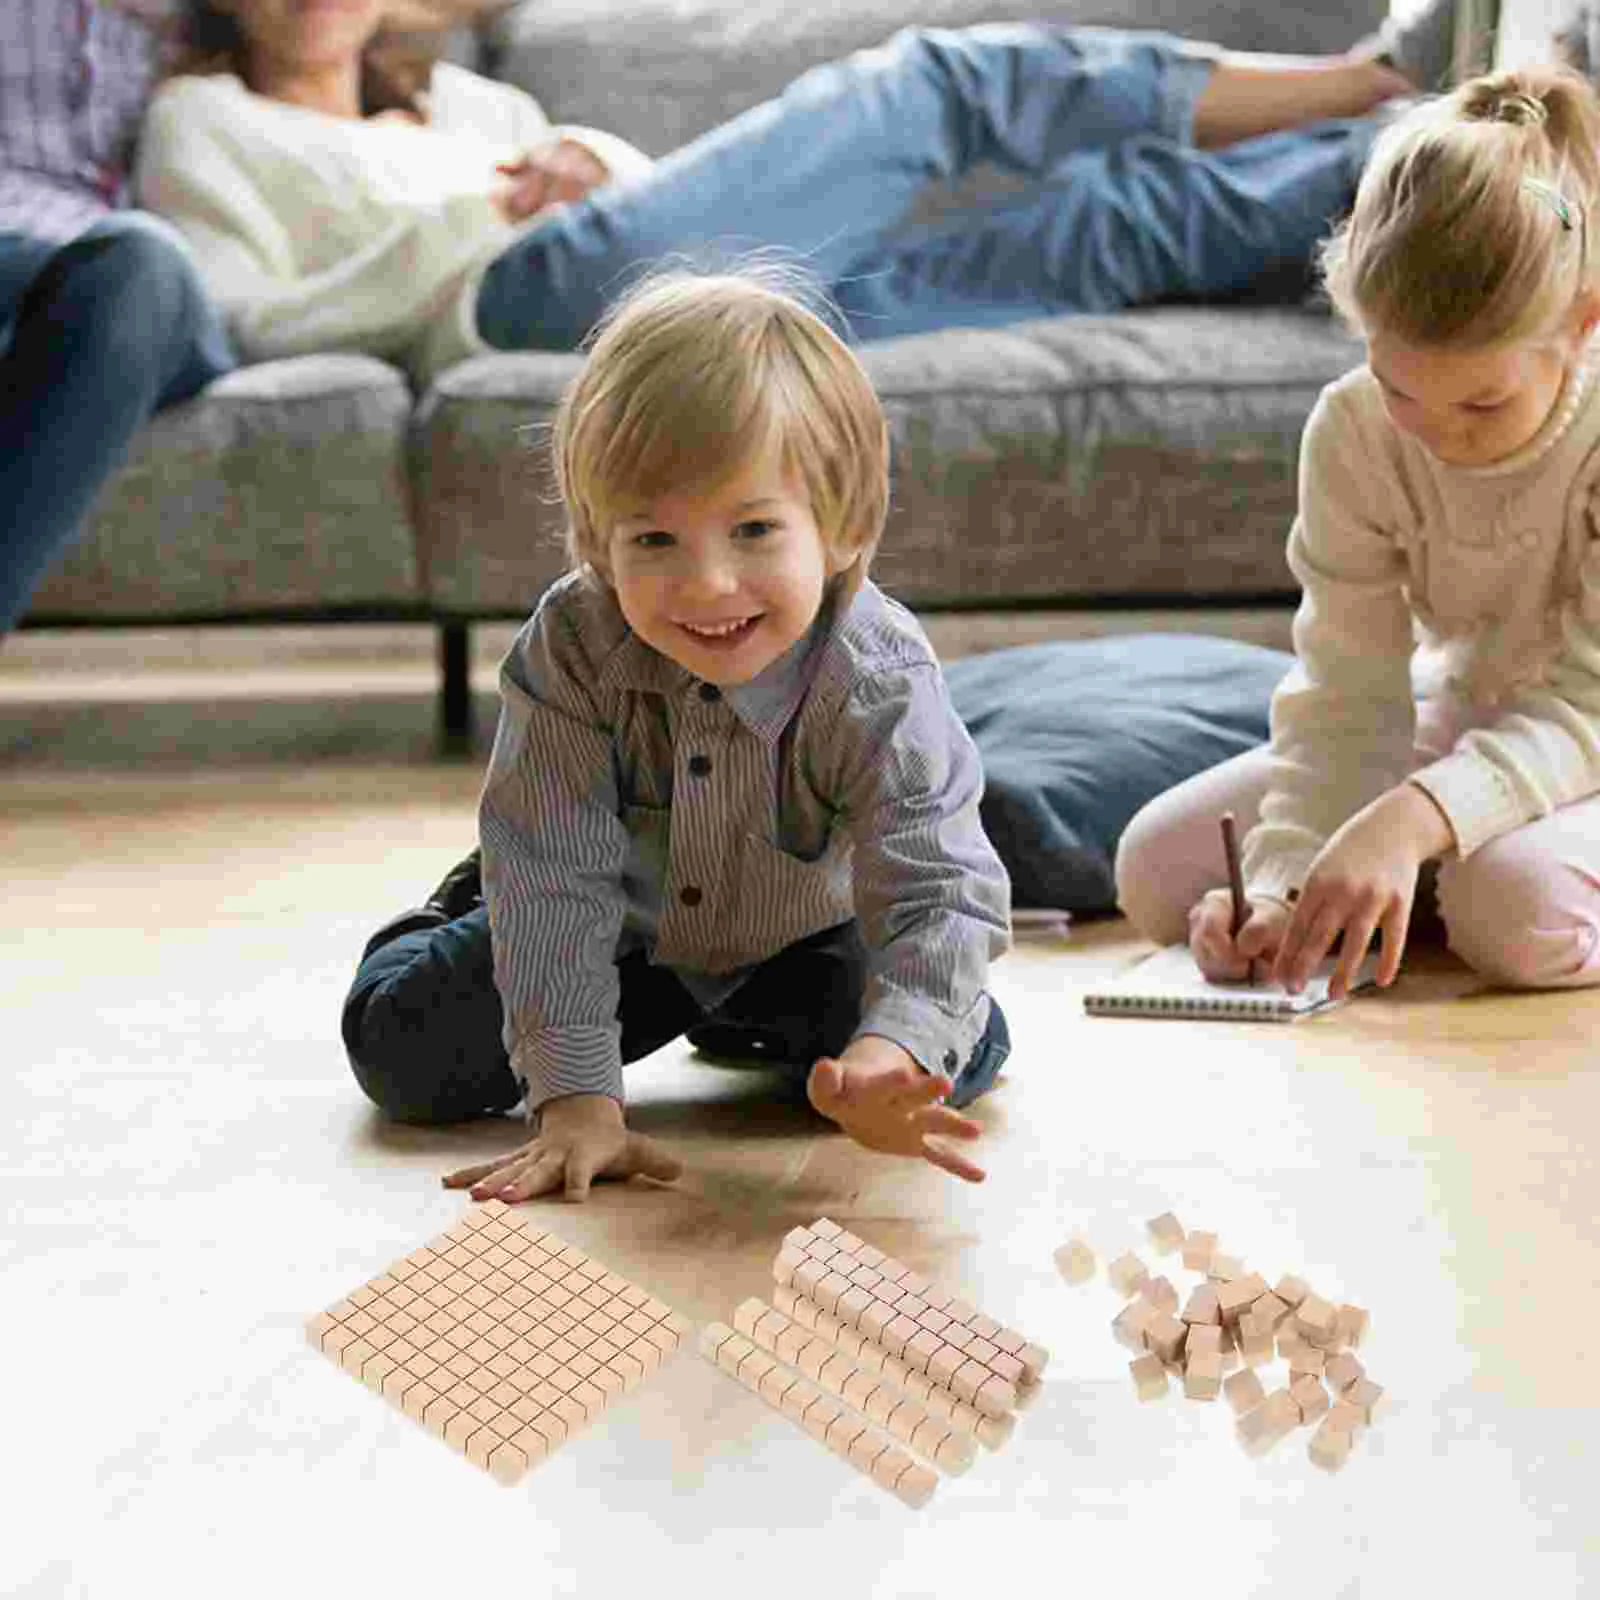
(728, 790)
(1447, 501)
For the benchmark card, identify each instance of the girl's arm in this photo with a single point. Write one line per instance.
(1343, 720)
(1543, 751)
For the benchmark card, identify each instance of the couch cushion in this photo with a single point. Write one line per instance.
(660, 72)
(1149, 455)
(1076, 737)
(281, 487)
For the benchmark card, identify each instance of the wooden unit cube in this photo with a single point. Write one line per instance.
(1352, 1325)
(1160, 1293)
(1316, 1319)
(1075, 1261)
(1330, 1447)
(1149, 1377)
(1205, 1339)
(1202, 1376)
(1363, 1395)
(1342, 1370)
(1291, 1290)
(1243, 1390)
(1270, 1308)
(1202, 1306)
(1198, 1249)
(1310, 1396)
(1166, 1337)
(1238, 1295)
(1166, 1232)
(1255, 1339)
(1345, 1416)
(1130, 1324)
(1270, 1421)
(1126, 1273)
(1223, 1269)
(1306, 1361)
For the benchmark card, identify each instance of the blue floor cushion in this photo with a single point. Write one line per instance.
(1077, 736)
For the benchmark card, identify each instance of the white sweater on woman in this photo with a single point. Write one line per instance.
(1493, 571)
(314, 232)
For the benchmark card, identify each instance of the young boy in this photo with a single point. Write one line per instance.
(728, 794)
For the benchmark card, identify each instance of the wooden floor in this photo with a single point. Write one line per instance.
(189, 1173)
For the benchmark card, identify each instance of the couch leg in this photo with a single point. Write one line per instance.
(455, 688)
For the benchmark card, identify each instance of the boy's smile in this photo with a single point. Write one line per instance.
(724, 582)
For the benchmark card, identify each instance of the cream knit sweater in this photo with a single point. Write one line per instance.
(315, 232)
(1493, 571)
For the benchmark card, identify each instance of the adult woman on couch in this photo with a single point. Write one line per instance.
(328, 213)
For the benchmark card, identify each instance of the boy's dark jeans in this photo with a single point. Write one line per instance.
(422, 1021)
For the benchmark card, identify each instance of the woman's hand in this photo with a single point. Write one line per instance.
(883, 1099)
(1224, 958)
(581, 1137)
(1363, 880)
(547, 175)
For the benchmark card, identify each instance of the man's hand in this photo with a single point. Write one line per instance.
(878, 1094)
(1364, 879)
(547, 175)
(581, 1137)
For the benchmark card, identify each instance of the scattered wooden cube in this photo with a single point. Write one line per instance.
(1149, 1377)
(1244, 1391)
(1364, 1395)
(1352, 1325)
(1202, 1376)
(1166, 1336)
(1202, 1306)
(1223, 1269)
(1126, 1273)
(1291, 1290)
(1166, 1232)
(1316, 1319)
(1342, 1370)
(1344, 1416)
(1129, 1325)
(1160, 1293)
(1255, 1339)
(1330, 1447)
(1205, 1339)
(1306, 1362)
(1075, 1261)
(1198, 1249)
(1270, 1307)
(1268, 1422)
(1289, 1341)
(1238, 1295)
(1307, 1393)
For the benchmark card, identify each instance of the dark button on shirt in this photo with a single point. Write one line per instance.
(690, 896)
(710, 692)
(700, 765)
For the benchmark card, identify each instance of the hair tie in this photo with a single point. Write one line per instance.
(1553, 198)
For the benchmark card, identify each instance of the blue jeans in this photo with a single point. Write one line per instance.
(94, 336)
(422, 1022)
(1122, 210)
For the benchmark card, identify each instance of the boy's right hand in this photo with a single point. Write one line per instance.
(1219, 955)
(581, 1137)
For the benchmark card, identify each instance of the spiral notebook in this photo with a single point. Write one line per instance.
(1169, 984)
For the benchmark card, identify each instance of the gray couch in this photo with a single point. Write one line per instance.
(1145, 459)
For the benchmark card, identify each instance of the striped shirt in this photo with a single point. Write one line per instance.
(630, 806)
(75, 76)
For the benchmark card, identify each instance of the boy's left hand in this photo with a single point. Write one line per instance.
(1364, 880)
(883, 1099)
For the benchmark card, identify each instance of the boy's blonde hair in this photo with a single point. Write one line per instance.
(690, 380)
(1474, 224)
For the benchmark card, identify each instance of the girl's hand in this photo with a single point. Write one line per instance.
(547, 175)
(879, 1095)
(581, 1137)
(1363, 880)
(1220, 956)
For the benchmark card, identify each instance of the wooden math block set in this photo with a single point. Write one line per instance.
(1232, 1318)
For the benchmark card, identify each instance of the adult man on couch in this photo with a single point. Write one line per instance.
(102, 317)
